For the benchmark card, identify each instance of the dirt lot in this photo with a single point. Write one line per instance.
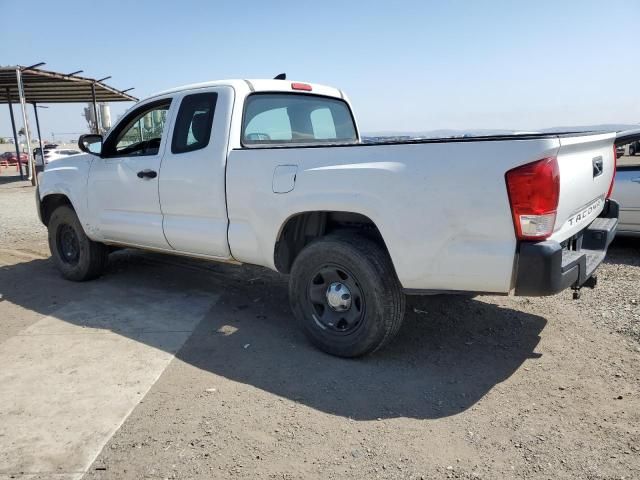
(489, 387)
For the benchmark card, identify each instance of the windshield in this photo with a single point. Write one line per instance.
(287, 118)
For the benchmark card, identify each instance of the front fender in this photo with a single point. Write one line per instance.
(68, 177)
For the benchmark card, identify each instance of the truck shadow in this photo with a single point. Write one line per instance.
(450, 352)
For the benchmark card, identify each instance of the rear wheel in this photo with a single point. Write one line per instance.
(77, 257)
(346, 296)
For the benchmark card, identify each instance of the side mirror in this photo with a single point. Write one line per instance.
(90, 143)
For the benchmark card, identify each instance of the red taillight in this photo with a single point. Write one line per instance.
(534, 192)
(301, 86)
(615, 167)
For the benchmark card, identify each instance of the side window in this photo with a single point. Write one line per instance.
(193, 123)
(140, 133)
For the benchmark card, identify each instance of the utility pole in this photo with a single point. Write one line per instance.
(15, 134)
(25, 120)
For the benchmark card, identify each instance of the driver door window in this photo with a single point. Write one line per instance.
(142, 134)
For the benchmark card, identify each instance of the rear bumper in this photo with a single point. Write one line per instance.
(546, 268)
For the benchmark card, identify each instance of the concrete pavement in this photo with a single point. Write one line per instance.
(69, 380)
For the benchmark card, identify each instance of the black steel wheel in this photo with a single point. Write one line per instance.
(336, 299)
(77, 257)
(68, 244)
(345, 294)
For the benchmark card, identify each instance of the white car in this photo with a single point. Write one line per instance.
(627, 193)
(273, 173)
(54, 154)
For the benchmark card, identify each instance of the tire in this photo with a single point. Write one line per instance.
(77, 257)
(632, 151)
(370, 314)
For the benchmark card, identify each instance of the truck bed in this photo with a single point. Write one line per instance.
(440, 204)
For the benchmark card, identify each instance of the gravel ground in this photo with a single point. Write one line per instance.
(615, 304)
(485, 387)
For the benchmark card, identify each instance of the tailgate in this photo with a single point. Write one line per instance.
(587, 164)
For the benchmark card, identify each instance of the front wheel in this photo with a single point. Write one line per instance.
(77, 257)
(346, 296)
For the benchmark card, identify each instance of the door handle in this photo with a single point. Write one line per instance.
(147, 174)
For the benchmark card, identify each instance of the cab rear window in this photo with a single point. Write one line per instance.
(290, 118)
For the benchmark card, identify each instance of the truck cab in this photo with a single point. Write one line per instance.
(174, 146)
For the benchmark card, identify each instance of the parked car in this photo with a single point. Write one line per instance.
(37, 155)
(12, 159)
(46, 146)
(627, 194)
(620, 151)
(55, 154)
(278, 177)
(627, 186)
(36, 151)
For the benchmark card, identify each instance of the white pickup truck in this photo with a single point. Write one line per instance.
(273, 173)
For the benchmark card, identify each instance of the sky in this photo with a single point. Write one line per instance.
(406, 66)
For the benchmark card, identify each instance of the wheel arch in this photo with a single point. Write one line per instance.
(302, 228)
(49, 203)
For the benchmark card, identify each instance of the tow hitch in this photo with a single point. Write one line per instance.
(591, 282)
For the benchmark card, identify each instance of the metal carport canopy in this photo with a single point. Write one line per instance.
(33, 85)
(42, 86)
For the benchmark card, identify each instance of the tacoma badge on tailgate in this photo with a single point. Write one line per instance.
(585, 212)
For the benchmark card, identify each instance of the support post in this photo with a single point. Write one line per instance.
(35, 112)
(25, 121)
(15, 133)
(95, 107)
